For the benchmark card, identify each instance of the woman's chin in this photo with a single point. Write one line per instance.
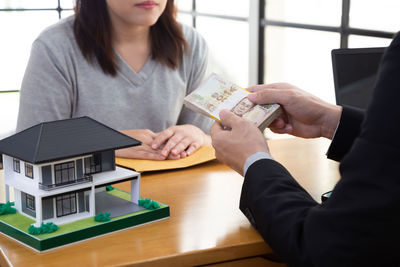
(144, 20)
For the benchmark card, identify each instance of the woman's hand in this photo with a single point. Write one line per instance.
(143, 151)
(180, 141)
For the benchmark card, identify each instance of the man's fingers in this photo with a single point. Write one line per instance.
(215, 128)
(227, 118)
(256, 88)
(277, 123)
(269, 96)
(284, 130)
(259, 87)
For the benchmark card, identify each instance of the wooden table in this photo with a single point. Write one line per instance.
(206, 225)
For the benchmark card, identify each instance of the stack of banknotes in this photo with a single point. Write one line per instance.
(216, 94)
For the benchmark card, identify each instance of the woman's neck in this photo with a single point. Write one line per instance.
(123, 32)
(132, 42)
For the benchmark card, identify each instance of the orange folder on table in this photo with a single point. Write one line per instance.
(203, 154)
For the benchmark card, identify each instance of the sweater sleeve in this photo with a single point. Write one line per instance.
(46, 92)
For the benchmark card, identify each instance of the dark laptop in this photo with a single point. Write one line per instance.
(354, 74)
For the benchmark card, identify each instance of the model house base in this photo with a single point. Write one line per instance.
(61, 238)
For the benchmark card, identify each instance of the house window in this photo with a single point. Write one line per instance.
(28, 170)
(66, 204)
(64, 172)
(93, 164)
(16, 165)
(30, 202)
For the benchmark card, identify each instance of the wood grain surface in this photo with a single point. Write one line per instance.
(206, 225)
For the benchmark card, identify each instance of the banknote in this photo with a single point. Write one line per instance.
(216, 94)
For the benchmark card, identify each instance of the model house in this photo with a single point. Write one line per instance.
(59, 170)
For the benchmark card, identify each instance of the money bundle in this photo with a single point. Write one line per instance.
(216, 94)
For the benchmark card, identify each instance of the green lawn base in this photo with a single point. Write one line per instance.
(54, 240)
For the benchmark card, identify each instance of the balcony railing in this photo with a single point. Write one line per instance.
(48, 187)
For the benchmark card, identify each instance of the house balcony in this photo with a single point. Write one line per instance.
(49, 187)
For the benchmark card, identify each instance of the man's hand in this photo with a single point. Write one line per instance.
(234, 146)
(180, 141)
(304, 114)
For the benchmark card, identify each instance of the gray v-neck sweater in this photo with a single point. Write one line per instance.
(60, 83)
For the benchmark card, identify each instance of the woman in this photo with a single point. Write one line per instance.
(125, 63)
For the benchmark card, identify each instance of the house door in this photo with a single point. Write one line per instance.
(64, 172)
(66, 204)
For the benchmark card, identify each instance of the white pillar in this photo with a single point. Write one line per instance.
(38, 210)
(7, 193)
(135, 190)
(92, 203)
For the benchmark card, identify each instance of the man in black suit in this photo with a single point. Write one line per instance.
(359, 225)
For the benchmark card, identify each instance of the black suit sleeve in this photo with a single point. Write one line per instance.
(359, 225)
(347, 131)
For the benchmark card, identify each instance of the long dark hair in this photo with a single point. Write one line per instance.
(92, 30)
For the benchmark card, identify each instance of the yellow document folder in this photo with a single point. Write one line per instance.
(203, 154)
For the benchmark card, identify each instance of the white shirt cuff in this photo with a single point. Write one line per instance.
(253, 158)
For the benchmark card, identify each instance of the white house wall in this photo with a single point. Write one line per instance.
(9, 174)
(18, 180)
(8, 168)
(31, 186)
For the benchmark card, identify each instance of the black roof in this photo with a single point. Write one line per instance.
(55, 140)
